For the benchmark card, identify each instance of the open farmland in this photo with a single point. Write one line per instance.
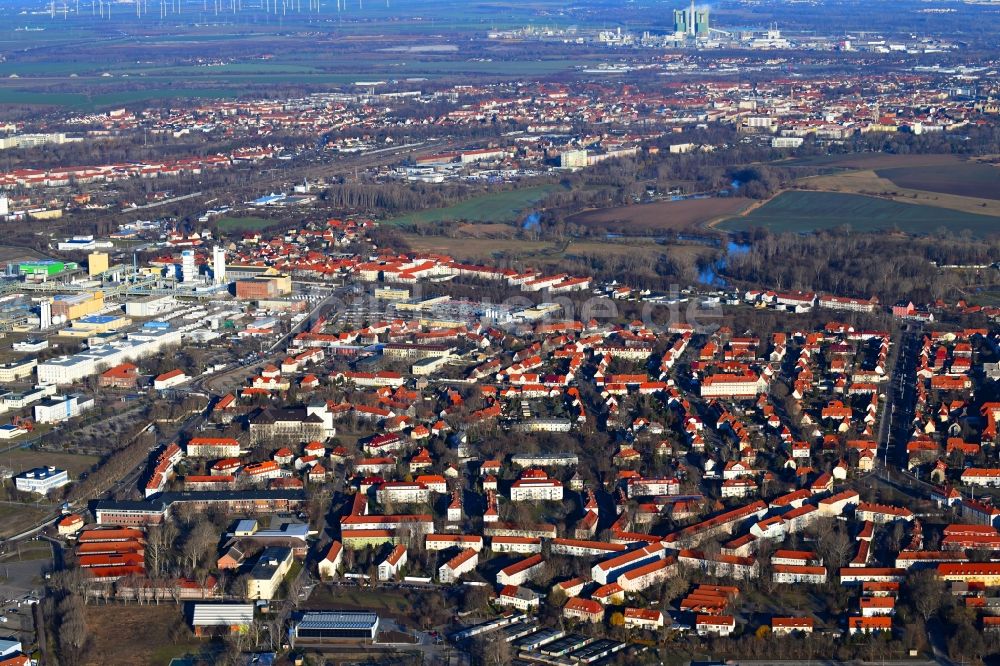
(496, 207)
(660, 216)
(802, 211)
(870, 183)
(969, 179)
(86, 101)
(872, 161)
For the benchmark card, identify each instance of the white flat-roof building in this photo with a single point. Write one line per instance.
(73, 368)
(41, 480)
(544, 459)
(149, 306)
(536, 490)
(15, 370)
(206, 618)
(62, 408)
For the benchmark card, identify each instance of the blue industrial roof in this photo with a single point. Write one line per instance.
(98, 319)
(42, 473)
(246, 525)
(338, 620)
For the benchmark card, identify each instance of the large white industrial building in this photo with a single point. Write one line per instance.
(73, 368)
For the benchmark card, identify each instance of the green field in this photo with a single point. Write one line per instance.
(84, 63)
(41, 85)
(799, 211)
(236, 224)
(83, 101)
(497, 207)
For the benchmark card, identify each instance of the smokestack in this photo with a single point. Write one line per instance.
(690, 22)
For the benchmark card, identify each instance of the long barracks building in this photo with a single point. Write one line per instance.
(154, 510)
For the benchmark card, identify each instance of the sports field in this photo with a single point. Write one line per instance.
(496, 207)
(236, 224)
(801, 211)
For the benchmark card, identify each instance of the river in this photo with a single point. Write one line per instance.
(709, 275)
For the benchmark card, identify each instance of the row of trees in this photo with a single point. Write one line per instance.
(862, 265)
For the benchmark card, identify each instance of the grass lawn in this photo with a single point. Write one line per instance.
(496, 207)
(21, 459)
(244, 223)
(15, 518)
(358, 597)
(989, 297)
(27, 551)
(802, 211)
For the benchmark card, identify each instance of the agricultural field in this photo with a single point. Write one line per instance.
(505, 206)
(968, 179)
(239, 224)
(806, 211)
(86, 101)
(119, 67)
(136, 635)
(19, 460)
(660, 216)
(868, 182)
(871, 161)
(487, 230)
